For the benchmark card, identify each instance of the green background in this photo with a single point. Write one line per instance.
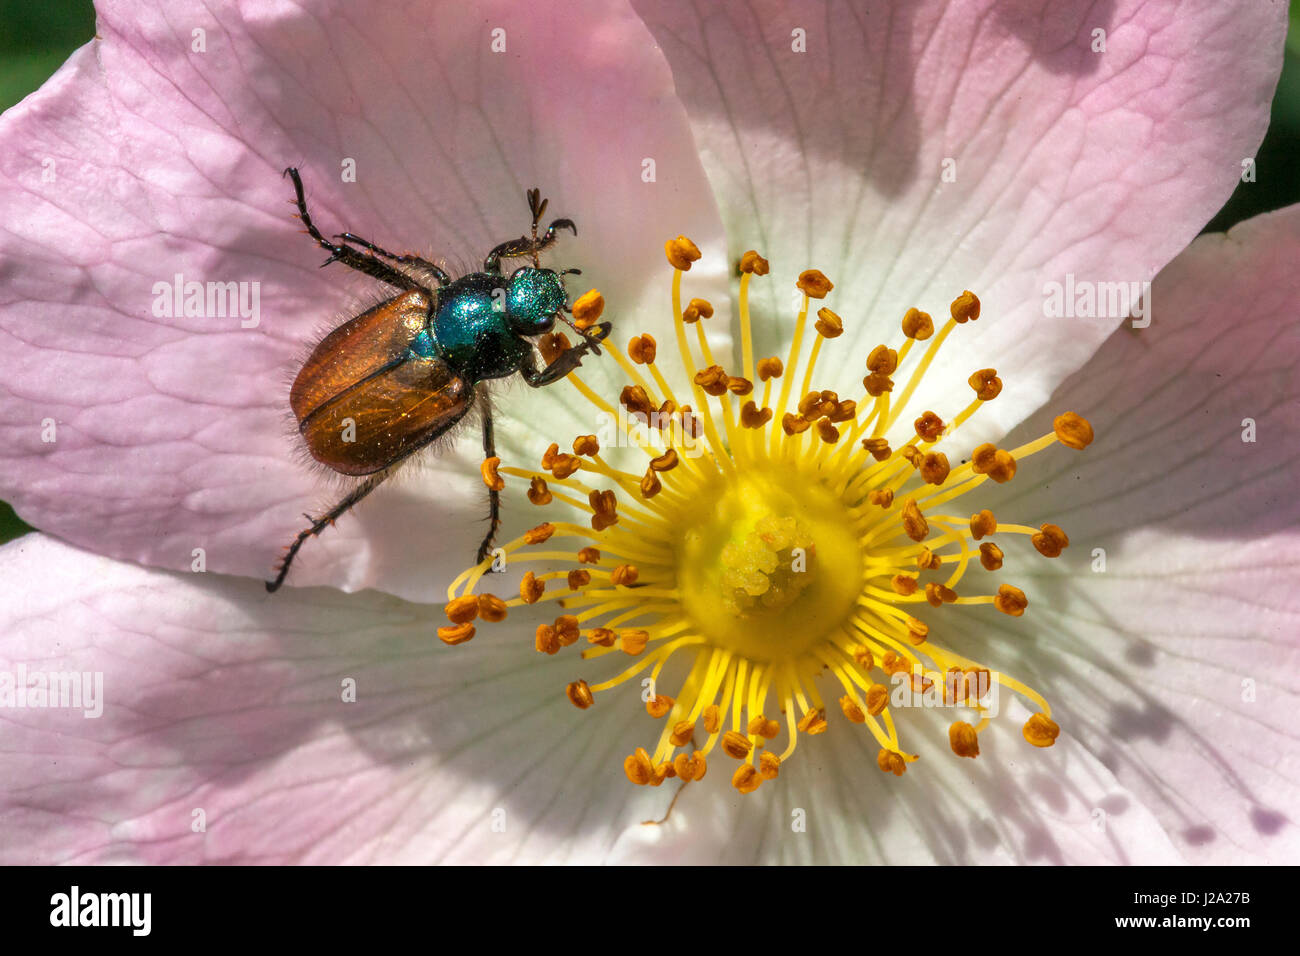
(35, 38)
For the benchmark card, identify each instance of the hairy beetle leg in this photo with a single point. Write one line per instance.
(529, 246)
(494, 496)
(440, 278)
(525, 246)
(320, 524)
(346, 254)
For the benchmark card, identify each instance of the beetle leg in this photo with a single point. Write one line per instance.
(346, 254)
(511, 249)
(439, 276)
(550, 238)
(567, 361)
(528, 245)
(494, 496)
(538, 207)
(539, 378)
(525, 246)
(601, 333)
(320, 524)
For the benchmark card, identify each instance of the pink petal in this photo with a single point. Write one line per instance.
(174, 433)
(1013, 804)
(221, 700)
(1176, 664)
(1100, 165)
(218, 698)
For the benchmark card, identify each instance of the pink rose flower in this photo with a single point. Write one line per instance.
(907, 150)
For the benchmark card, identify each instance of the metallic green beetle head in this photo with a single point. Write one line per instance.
(533, 299)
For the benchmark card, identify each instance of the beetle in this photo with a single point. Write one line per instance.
(395, 378)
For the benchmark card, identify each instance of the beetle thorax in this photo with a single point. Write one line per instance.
(472, 328)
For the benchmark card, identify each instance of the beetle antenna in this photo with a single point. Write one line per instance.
(537, 205)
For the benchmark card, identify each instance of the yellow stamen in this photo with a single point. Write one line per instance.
(772, 545)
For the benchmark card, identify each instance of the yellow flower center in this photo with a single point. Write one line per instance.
(777, 543)
(767, 566)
